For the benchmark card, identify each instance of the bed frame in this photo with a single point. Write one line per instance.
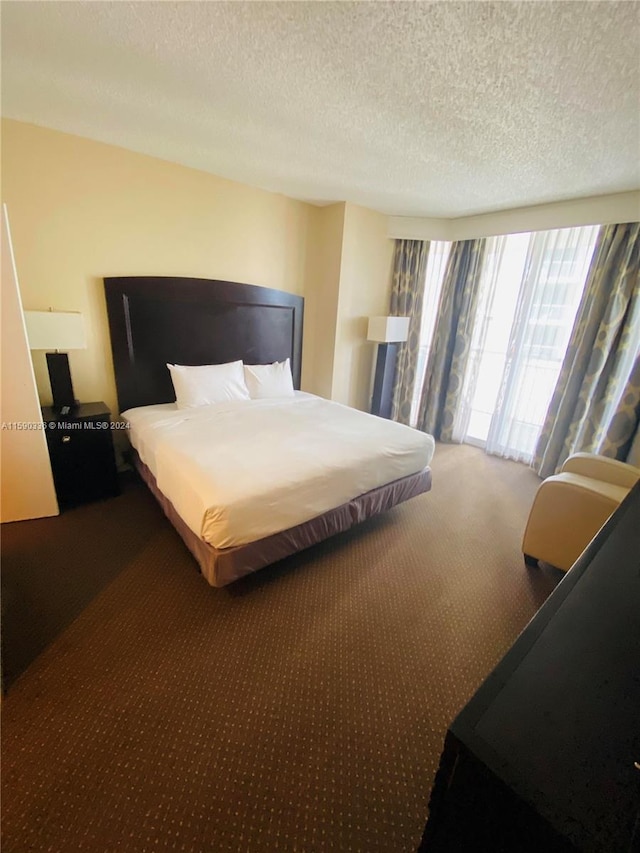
(156, 320)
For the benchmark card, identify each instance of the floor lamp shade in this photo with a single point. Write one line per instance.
(57, 330)
(388, 332)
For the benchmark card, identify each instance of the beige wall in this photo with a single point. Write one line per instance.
(81, 210)
(323, 284)
(348, 275)
(364, 292)
(27, 489)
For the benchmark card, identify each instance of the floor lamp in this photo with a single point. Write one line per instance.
(57, 330)
(387, 332)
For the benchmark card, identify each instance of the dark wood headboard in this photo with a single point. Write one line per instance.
(156, 320)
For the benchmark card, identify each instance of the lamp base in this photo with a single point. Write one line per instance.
(382, 399)
(60, 379)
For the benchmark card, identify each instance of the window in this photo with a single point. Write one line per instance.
(529, 292)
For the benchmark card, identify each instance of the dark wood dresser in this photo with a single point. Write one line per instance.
(81, 450)
(546, 755)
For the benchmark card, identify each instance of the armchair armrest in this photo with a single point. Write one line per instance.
(602, 468)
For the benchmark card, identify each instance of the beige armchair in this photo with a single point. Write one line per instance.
(569, 508)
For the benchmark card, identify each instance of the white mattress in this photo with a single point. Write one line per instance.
(242, 470)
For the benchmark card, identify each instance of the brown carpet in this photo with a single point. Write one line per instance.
(302, 709)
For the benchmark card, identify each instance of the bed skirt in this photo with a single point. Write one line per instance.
(222, 566)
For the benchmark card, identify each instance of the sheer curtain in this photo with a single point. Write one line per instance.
(554, 276)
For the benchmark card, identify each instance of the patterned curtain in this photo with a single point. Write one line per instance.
(596, 401)
(407, 294)
(633, 457)
(451, 340)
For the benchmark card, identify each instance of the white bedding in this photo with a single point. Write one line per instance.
(241, 470)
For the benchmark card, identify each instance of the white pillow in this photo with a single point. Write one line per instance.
(209, 383)
(269, 380)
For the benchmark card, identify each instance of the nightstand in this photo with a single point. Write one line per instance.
(81, 451)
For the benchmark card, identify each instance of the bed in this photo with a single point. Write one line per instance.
(247, 482)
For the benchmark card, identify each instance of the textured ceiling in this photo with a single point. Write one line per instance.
(436, 109)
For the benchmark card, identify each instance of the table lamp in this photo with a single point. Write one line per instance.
(57, 330)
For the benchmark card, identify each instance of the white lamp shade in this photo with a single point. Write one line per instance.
(51, 330)
(386, 330)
